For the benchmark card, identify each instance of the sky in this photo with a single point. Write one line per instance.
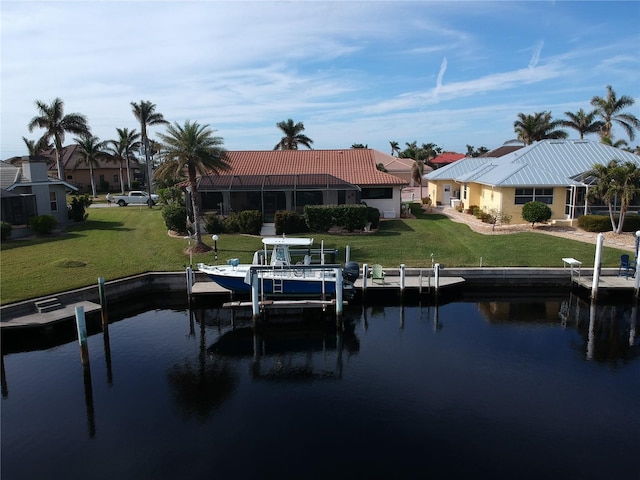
(452, 73)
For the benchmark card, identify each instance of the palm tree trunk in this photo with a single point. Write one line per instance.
(121, 179)
(195, 206)
(93, 181)
(59, 158)
(128, 176)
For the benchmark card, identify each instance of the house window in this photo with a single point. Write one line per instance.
(53, 202)
(526, 195)
(115, 178)
(376, 193)
(464, 192)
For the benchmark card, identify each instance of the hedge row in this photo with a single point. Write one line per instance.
(602, 223)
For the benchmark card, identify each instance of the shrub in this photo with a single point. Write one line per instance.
(536, 212)
(602, 223)
(351, 217)
(135, 185)
(473, 209)
(42, 224)
(289, 222)
(171, 195)
(5, 230)
(318, 218)
(231, 223)
(250, 222)
(175, 217)
(214, 223)
(460, 208)
(373, 216)
(77, 208)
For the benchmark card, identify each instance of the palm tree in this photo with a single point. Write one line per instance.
(90, 148)
(194, 148)
(417, 170)
(293, 136)
(145, 113)
(359, 145)
(612, 183)
(395, 147)
(36, 148)
(536, 127)
(583, 122)
(610, 110)
(123, 150)
(52, 118)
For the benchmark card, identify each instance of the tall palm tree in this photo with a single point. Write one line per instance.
(194, 148)
(395, 147)
(145, 113)
(609, 109)
(51, 117)
(582, 122)
(90, 149)
(417, 170)
(293, 136)
(612, 183)
(539, 126)
(36, 148)
(123, 150)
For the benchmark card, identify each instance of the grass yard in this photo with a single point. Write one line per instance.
(119, 242)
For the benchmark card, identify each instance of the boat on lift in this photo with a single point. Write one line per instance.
(279, 275)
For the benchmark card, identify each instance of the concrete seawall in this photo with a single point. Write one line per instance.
(175, 282)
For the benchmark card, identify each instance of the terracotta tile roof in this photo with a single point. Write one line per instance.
(447, 157)
(353, 165)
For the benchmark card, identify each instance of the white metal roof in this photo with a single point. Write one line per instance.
(293, 242)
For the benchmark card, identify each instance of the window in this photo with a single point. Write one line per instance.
(53, 202)
(115, 178)
(376, 193)
(526, 195)
(308, 198)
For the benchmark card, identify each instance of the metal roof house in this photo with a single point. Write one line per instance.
(27, 190)
(549, 171)
(274, 180)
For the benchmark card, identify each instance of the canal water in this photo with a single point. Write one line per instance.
(541, 387)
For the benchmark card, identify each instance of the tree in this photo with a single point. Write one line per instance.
(536, 127)
(193, 148)
(582, 122)
(536, 212)
(90, 149)
(395, 147)
(293, 136)
(417, 170)
(123, 150)
(145, 113)
(36, 148)
(359, 145)
(52, 118)
(609, 109)
(476, 152)
(613, 183)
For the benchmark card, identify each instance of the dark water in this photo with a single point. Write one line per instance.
(529, 388)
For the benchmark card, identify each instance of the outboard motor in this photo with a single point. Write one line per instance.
(350, 272)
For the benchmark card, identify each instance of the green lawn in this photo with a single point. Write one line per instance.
(118, 242)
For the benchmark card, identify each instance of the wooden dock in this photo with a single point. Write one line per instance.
(606, 283)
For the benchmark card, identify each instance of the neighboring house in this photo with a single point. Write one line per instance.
(548, 171)
(503, 150)
(28, 191)
(290, 179)
(446, 158)
(76, 171)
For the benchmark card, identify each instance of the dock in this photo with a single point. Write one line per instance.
(43, 319)
(606, 283)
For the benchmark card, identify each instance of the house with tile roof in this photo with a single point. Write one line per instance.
(446, 158)
(274, 180)
(549, 171)
(26, 190)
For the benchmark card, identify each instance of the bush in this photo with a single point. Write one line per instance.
(373, 216)
(171, 195)
(78, 206)
(42, 224)
(5, 230)
(602, 223)
(250, 222)
(175, 217)
(318, 218)
(536, 212)
(231, 223)
(289, 222)
(350, 217)
(473, 209)
(214, 224)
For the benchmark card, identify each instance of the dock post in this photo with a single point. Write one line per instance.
(402, 277)
(81, 326)
(436, 271)
(636, 287)
(597, 264)
(365, 275)
(338, 294)
(103, 303)
(189, 283)
(347, 254)
(255, 295)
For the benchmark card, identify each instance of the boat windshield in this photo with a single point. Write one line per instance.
(280, 256)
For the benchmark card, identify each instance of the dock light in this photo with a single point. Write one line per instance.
(637, 241)
(215, 247)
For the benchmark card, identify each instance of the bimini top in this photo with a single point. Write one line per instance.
(294, 242)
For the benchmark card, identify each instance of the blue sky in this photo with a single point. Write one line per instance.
(451, 73)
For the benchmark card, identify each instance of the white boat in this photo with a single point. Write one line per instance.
(280, 275)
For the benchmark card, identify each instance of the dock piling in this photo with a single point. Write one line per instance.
(81, 326)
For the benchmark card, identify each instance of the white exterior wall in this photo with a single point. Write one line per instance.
(390, 207)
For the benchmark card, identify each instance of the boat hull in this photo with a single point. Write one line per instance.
(276, 284)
